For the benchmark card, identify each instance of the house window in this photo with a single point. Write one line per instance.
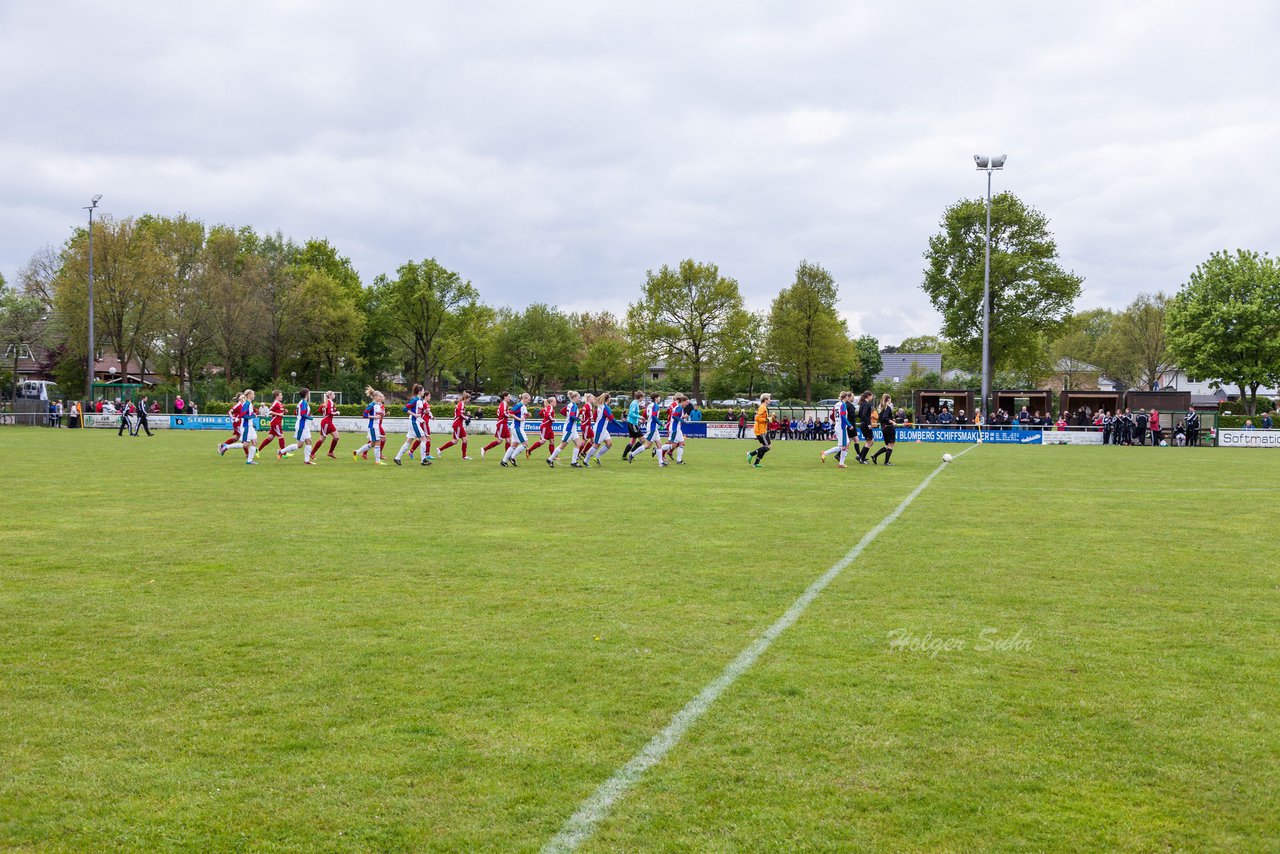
(655, 375)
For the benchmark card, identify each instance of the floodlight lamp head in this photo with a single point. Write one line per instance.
(981, 161)
(97, 198)
(998, 162)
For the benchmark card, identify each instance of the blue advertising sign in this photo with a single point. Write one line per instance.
(1012, 436)
(200, 422)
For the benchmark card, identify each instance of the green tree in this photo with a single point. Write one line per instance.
(1224, 324)
(534, 347)
(742, 369)
(807, 337)
(184, 333)
(419, 307)
(1030, 293)
(684, 314)
(868, 363)
(1135, 350)
(21, 326)
(230, 276)
(918, 344)
(472, 344)
(328, 323)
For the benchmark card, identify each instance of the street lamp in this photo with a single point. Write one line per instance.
(988, 165)
(88, 383)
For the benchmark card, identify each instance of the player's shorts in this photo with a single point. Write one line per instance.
(327, 427)
(247, 433)
(518, 432)
(547, 433)
(890, 433)
(675, 433)
(571, 432)
(602, 430)
(276, 429)
(588, 434)
(372, 433)
(651, 432)
(633, 431)
(415, 428)
(868, 435)
(502, 431)
(302, 432)
(459, 430)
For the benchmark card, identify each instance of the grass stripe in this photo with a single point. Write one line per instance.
(582, 824)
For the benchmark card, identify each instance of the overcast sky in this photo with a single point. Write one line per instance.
(555, 151)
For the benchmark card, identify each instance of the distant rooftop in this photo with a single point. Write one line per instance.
(897, 366)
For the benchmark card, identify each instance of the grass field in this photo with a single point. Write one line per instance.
(200, 655)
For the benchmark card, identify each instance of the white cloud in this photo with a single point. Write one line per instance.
(556, 151)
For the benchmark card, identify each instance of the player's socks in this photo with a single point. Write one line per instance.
(555, 452)
(377, 453)
(680, 454)
(464, 450)
(403, 450)
(306, 453)
(888, 452)
(252, 452)
(601, 451)
(489, 447)
(577, 452)
(287, 450)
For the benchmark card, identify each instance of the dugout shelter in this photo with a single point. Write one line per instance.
(1165, 401)
(956, 399)
(1035, 400)
(1107, 401)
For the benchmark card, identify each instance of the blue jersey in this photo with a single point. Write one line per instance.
(570, 417)
(517, 414)
(304, 413)
(412, 406)
(633, 413)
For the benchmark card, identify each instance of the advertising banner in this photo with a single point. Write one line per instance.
(1249, 438)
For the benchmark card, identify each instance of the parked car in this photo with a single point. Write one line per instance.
(487, 399)
(452, 398)
(829, 402)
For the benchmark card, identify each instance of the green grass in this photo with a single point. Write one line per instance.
(200, 655)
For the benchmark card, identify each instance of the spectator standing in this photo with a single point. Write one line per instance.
(742, 424)
(1193, 428)
(1265, 421)
(178, 404)
(1140, 422)
(1157, 433)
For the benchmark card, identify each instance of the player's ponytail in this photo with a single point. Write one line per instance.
(369, 392)
(417, 388)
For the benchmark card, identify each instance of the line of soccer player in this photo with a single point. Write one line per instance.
(585, 428)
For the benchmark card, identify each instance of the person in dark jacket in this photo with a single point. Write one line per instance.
(1140, 428)
(140, 423)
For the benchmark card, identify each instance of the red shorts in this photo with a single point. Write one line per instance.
(547, 432)
(588, 433)
(502, 431)
(327, 426)
(276, 429)
(459, 429)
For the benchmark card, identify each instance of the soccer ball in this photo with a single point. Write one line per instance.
(1164, 443)
(946, 458)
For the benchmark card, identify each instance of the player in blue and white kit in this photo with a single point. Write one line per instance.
(675, 429)
(571, 432)
(413, 408)
(301, 431)
(248, 432)
(602, 443)
(840, 422)
(652, 435)
(373, 411)
(516, 415)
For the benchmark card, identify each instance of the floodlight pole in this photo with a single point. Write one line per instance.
(88, 382)
(988, 165)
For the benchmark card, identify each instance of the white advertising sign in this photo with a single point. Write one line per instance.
(1249, 438)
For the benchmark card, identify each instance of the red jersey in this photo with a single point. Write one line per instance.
(329, 409)
(459, 413)
(424, 414)
(547, 414)
(234, 412)
(588, 420)
(502, 415)
(277, 414)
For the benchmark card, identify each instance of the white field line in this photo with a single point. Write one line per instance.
(582, 824)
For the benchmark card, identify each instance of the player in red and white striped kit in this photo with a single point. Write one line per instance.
(327, 427)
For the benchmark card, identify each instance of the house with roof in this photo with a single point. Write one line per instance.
(899, 366)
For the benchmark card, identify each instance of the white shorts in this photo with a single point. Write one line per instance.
(572, 435)
(248, 434)
(302, 433)
(675, 433)
(372, 433)
(415, 428)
